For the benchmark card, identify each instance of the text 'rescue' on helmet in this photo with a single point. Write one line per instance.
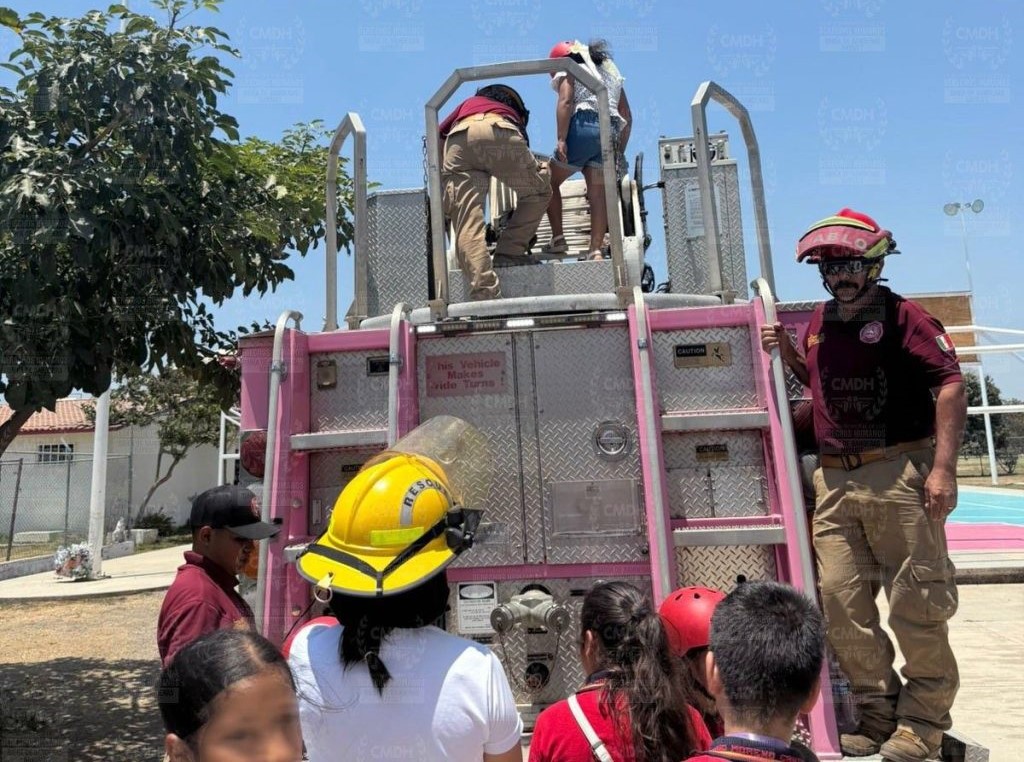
(388, 530)
(846, 235)
(407, 514)
(686, 614)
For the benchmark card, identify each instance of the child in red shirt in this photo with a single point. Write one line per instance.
(633, 701)
(686, 613)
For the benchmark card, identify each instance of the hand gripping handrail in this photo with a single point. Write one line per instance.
(518, 69)
(277, 372)
(698, 111)
(351, 124)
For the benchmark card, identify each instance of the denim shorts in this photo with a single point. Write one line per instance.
(583, 142)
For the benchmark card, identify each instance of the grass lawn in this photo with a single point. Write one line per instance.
(974, 472)
(30, 550)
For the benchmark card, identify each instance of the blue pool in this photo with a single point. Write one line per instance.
(977, 506)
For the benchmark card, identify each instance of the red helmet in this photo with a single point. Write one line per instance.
(846, 235)
(561, 49)
(686, 614)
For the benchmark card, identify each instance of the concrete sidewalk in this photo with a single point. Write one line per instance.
(152, 570)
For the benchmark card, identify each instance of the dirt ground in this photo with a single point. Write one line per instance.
(74, 690)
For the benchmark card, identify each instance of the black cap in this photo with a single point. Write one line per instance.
(233, 508)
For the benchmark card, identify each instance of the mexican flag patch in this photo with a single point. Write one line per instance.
(945, 343)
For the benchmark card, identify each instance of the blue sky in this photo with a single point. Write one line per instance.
(893, 108)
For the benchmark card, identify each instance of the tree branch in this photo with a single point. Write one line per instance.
(104, 133)
(158, 483)
(10, 428)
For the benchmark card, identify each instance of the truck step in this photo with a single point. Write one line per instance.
(335, 440)
(716, 420)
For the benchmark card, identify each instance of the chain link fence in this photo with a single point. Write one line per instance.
(45, 503)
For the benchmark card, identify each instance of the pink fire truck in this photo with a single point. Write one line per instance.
(634, 434)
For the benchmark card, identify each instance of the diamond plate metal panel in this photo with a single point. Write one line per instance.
(715, 489)
(705, 493)
(686, 252)
(397, 250)
(585, 378)
(544, 279)
(720, 567)
(534, 531)
(794, 386)
(711, 388)
(497, 416)
(358, 401)
(559, 654)
(329, 474)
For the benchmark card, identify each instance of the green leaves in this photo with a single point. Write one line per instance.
(9, 19)
(138, 24)
(127, 200)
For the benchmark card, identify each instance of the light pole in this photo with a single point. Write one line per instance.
(952, 209)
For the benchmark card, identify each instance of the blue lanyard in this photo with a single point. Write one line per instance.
(770, 741)
(596, 677)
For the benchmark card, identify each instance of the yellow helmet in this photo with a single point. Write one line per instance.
(393, 527)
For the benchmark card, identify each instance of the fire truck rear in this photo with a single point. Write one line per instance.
(635, 435)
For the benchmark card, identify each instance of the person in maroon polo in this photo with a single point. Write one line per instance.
(225, 523)
(889, 410)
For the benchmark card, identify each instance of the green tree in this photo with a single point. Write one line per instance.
(974, 433)
(128, 205)
(186, 414)
(1013, 426)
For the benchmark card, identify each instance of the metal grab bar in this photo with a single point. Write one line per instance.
(790, 460)
(351, 124)
(519, 69)
(395, 361)
(277, 372)
(698, 111)
(822, 719)
(658, 528)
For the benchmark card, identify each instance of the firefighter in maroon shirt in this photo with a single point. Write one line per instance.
(889, 413)
(225, 526)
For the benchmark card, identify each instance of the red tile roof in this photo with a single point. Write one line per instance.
(68, 417)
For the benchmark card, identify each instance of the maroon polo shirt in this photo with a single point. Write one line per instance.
(476, 105)
(201, 599)
(871, 376)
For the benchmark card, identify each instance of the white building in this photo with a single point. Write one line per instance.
(54, 450)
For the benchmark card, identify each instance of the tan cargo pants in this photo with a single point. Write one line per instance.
(480, 147)
(871, 531)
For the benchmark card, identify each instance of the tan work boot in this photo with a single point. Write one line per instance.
(859, 744)
(906, 746)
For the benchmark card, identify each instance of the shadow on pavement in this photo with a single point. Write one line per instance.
(80, 710)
